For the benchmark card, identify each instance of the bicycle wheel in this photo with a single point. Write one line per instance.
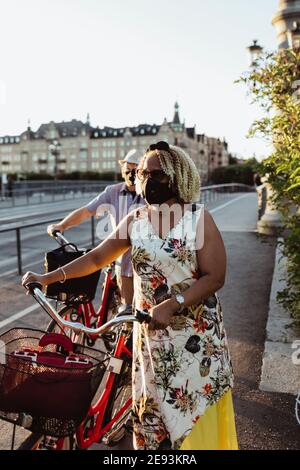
(120, 394)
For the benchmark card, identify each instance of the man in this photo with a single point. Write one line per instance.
(118, 199)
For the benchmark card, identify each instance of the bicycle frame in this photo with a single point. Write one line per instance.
(87, 310)
(99, 408)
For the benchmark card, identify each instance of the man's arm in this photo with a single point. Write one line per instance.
(79, 215)
(74, 218)
(106, 252)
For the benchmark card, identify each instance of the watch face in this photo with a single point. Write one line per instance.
(180, 299)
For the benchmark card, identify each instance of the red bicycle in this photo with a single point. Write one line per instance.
(75, 309)
(95, 384)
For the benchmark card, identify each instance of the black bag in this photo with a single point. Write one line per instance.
(82, 287)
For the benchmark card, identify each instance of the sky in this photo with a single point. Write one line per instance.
(126, 62)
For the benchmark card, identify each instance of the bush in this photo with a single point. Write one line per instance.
(233, 174)
(274, 85)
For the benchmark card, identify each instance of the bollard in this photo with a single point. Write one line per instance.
(19, 254)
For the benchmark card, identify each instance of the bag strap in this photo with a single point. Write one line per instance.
(69, 244)
(57, 339)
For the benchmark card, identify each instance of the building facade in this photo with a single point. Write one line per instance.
(83, 147)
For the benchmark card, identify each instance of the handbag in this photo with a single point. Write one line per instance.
(56, 383)
(83, 288)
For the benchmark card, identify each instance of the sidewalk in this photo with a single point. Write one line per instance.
(264, 420)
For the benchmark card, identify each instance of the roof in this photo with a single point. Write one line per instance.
(140, 130)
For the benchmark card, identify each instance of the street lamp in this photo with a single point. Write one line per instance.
(54, 148)
(293, 35)
(255, 51)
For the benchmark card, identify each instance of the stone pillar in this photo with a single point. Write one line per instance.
(287, 14)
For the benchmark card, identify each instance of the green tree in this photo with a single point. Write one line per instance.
(274, 84)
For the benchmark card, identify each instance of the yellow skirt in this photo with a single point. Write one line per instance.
(215, 430)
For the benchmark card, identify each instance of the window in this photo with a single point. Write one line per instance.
(109, 153)
(95, 153)
(109, 165)
(95, 165)
(83, 153)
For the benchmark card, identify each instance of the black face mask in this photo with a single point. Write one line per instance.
(130, 178)
(155, 192)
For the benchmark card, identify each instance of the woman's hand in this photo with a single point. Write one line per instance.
(33, 277)
(161, 314)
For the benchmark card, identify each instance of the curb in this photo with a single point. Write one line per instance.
(278, 373)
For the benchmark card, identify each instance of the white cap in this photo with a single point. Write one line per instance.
(133, 156)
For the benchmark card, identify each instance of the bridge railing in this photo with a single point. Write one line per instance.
(208, 194)
(24, 196)
(213, 192)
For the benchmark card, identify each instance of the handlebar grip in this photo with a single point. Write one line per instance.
(54, 233)
(33, 285)
(143, 317)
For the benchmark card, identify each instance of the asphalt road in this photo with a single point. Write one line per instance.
(264, 420)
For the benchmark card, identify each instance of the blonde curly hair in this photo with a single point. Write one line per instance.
(182, 171)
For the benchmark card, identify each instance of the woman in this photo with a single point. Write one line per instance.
(182, 375)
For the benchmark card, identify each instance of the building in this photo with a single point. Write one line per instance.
(83, 147)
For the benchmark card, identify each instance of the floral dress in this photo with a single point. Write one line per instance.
(180, 371)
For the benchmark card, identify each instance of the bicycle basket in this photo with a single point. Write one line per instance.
(83, 287)
(39, 375)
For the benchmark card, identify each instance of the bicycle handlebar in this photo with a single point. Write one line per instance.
(61, 240)
(35, 290)
(59, 237)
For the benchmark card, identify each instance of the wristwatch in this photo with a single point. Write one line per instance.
(180, 299)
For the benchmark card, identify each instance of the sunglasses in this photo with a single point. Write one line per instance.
(155, 175)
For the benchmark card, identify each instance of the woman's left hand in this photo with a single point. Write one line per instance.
(162, 314)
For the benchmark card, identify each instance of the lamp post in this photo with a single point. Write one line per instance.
(270, 220)
(255, 51)
(55, 148)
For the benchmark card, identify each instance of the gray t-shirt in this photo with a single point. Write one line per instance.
(118, 201)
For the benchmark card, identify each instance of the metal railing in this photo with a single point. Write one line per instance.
(24, 196)
(208, 194)
(212, 192)
(17, 229)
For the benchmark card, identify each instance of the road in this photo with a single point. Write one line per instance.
(264, 420)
